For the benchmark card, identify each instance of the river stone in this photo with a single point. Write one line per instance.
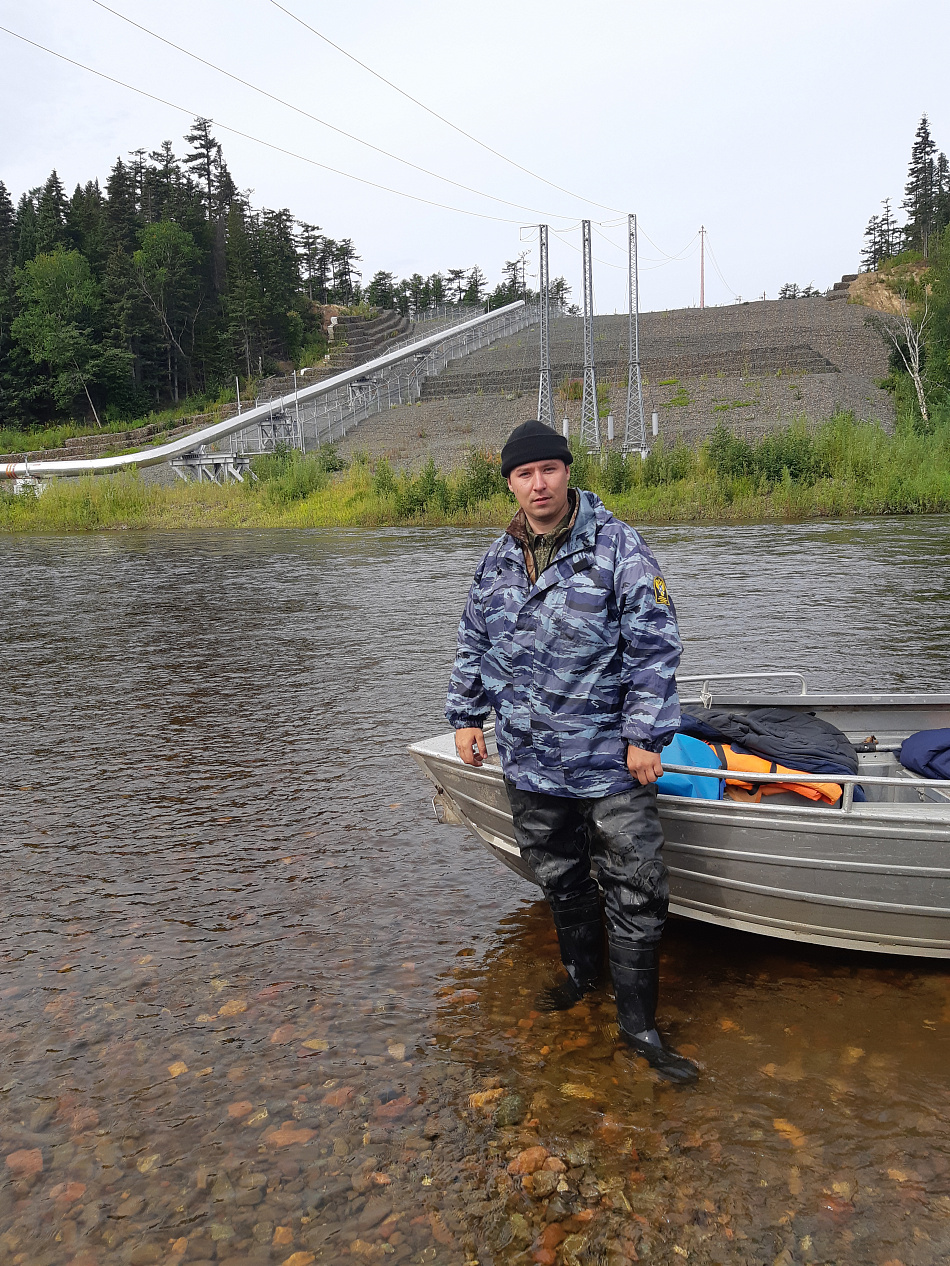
(41, 1116)
(573, 1250)
(129, 1208)
(509, 1111)
(146, 1255)
(542, 1184)
(222, 1189)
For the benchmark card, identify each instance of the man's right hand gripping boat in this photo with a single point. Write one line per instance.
(871, 874)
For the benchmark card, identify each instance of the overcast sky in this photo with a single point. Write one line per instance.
(780, 126)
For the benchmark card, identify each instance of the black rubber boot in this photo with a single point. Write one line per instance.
(636, 977)
(580, 934)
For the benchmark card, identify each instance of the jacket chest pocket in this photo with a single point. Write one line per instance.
(580, 617)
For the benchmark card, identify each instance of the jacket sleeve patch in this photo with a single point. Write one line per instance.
(660, 591)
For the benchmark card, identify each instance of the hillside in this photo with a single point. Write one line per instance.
(754, 366)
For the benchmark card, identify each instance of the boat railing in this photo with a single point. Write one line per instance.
(847, 782)
(705, 694)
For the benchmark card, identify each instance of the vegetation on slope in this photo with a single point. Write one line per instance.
(843, 468)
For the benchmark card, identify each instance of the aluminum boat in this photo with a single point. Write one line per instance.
(869, 875)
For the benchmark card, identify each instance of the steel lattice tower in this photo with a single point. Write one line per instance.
(590, 420)
(545, 414)
(634, 431)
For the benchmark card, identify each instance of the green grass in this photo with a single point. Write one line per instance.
(843, 468)
(14, 441)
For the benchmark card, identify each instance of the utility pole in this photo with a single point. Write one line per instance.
(545, 414)
(702, 266)
(590, 419)
(634, 431)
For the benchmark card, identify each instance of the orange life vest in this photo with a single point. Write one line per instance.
(748, 789)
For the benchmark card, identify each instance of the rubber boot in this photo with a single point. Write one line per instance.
(636, 977)
(580, 935)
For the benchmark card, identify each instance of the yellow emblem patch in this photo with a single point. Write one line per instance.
(660, 591)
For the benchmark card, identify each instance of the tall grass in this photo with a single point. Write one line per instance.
(841, 468)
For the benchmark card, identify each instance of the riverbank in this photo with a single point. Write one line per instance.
(842, 469)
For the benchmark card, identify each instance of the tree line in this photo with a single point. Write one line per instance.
(167, 282)
(926, 203)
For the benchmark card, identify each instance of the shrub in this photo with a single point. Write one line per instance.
(289, 475)
(668, 466)
(481, 480)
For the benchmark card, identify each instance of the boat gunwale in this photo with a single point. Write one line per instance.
(861, 819)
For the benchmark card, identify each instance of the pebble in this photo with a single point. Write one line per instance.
(509, 1111)
(541, 1184)
(25, 1162)
(528, 1161)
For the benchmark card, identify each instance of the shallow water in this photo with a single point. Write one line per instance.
(249, 986)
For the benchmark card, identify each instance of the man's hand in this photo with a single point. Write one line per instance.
(470, 745)
(643, 765)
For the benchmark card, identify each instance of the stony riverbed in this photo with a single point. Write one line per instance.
(259, 1007)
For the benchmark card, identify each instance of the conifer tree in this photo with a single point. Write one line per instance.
(8, 233)
(559, 293)
(345, 275)
(308, 246)
(122, 219)
(475, 286)
(919, 192)
(203, 159)
(381, 291)
(51, 216)
(942, 194)
(455, 280)
(26, 227)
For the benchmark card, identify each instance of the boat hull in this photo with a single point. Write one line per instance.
(876, 878)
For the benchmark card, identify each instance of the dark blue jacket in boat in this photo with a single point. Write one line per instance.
(576, 665)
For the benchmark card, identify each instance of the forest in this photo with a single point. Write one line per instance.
(119, 301)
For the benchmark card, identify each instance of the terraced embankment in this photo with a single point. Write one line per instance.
(754, 366)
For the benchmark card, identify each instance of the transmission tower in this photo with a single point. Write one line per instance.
(544, 386)
(590, 420)
(634, 431)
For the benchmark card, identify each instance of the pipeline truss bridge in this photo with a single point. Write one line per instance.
(304, 418)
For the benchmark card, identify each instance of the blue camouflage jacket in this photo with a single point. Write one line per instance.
(576, 665)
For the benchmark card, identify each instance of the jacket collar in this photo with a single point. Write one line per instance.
(589, 510)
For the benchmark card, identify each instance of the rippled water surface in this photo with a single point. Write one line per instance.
(256, 1005)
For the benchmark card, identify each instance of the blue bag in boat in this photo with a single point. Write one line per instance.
(684, 750)
(927, 753)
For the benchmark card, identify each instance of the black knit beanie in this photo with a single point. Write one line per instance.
(533, 442)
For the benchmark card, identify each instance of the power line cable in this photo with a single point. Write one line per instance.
(323, 122)
(680, 255)
(279, 149)
(715, 261)
(441, 117)
(561, 234)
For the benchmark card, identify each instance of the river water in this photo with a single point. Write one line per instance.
(249, 986)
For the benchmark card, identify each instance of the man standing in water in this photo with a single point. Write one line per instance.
(569, 634)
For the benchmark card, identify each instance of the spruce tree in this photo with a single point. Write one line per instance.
(418, 293)
(381, 291)
(475, 286)
(122, 217)
(51, 216)
(942, 194)
(203, 158)
(8, 233)
(26, 227)
(920, 189)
